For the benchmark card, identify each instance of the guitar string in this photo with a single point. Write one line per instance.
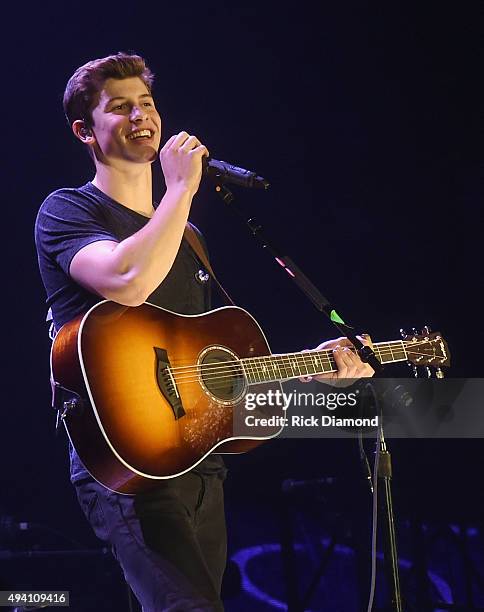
(254, 368)
(385, 349)
(227, 373)
(300, 359)
(192, 373)
(314, 352)
(260, 370)
(219, 382)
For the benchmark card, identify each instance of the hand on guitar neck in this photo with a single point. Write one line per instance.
(348, 362)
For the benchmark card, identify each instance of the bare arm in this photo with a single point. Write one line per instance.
(129, 271)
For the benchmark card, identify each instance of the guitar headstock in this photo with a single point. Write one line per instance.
(426, 349)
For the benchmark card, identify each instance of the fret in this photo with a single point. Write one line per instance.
(301, 363)
(330, 366)
(389, 352)
(331, 362)
(279, 361)
(275, 374)
(400, 351)
(311, 363)
(287, 366)
(248, 368)
(327, 361)
(266, 370)
(280, 375)
(262, 369)
(294, 365)
(304, 357)
(377, 351)
(268, 375)
(314, 363)
(291, 365)
(257, 370)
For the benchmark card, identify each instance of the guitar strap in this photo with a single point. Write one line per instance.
(193, 239)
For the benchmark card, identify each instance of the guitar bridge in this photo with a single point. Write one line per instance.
(166, 382)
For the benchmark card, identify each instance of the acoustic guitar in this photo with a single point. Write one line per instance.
(145, 394)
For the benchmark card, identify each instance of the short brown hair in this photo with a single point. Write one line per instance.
(84, 86)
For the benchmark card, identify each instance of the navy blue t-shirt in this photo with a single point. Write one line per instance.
(70, 219)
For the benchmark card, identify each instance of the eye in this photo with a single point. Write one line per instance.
(119, 106)
(147, 104)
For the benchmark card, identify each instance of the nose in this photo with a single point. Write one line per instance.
(137, 114)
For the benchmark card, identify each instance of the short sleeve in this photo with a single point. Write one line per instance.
(68, 221)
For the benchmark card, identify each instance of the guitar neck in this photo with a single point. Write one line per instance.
(272, 368)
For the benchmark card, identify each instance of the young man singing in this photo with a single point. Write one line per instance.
(107, 240)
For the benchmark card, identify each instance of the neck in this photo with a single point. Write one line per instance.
(270, 368)
(131, 187)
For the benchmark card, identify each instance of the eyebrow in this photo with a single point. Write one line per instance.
(124, 98)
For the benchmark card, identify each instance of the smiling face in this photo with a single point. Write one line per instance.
(126, 125)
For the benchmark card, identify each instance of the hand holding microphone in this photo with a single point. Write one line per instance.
(180, 159)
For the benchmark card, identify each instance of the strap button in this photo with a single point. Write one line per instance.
(202, 276)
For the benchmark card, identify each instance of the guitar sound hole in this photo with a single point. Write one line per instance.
(222, 374)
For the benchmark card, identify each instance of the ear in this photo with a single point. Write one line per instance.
(83, 133)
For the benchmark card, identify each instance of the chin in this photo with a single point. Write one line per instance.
(145, 157)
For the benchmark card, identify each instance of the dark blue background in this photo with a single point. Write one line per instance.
(365, 121)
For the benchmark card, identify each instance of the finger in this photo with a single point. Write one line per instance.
(331, 344)
(341, 362)
(179, 140)
(352, 362)
(365, 339)
(366, 371)
(190, 143)
(363, 369)
(168, 143)
(328, 375)
(201, 151)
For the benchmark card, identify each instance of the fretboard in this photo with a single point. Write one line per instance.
(272, 368)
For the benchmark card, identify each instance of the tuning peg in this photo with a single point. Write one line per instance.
(403, 333)
(426, 331)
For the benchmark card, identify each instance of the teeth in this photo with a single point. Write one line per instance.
(139, 134)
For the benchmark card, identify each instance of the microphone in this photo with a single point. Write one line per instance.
(226, 173)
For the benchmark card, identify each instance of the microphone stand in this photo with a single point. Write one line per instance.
(386, 506)
(366, 355)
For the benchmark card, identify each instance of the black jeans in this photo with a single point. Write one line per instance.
(170, 542)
